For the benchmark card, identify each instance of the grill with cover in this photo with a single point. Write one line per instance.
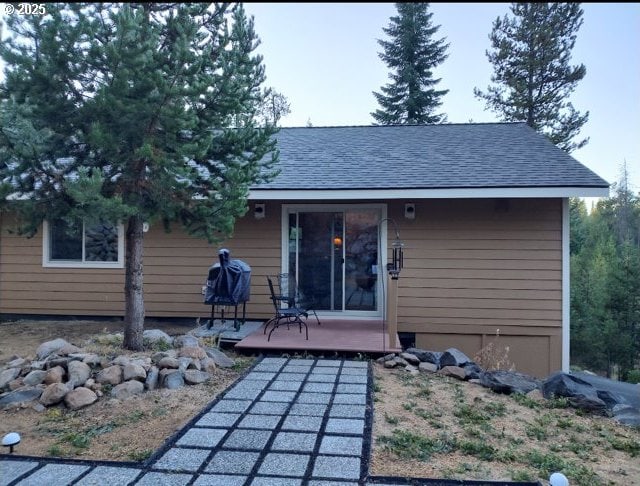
(228, 284)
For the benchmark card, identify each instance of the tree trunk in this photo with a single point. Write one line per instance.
(134, 298)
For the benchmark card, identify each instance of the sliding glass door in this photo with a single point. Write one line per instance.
(332, 257)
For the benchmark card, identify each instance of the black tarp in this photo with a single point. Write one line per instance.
(228, 281)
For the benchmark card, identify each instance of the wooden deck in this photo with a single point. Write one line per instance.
(341, 335)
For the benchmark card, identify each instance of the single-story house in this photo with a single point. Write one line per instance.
(482, 210)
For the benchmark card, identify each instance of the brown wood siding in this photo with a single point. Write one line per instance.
(175, 268)
(472, 269)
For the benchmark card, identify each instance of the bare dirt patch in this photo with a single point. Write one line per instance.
(117, 430)
(437, 427)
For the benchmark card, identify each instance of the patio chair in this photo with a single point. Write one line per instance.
(289, 287)
(289, 315)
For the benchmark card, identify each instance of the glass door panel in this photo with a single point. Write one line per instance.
(333, 258)
(361, 259)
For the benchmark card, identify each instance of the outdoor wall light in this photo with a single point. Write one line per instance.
(259, 210)
(11, 440)
(337, 240)
(410, 211)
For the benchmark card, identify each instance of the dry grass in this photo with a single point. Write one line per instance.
(437, 427)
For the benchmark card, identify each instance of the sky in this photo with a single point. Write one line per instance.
(324, 58)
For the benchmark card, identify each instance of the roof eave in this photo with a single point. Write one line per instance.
(429, 193)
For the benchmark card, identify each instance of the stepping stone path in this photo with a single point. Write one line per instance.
(287, 422)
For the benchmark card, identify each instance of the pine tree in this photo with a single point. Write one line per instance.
(133, 113)
(411, 54)
(533, 79)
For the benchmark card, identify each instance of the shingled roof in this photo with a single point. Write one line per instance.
(448, 156)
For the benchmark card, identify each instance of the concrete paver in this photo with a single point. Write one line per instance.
(109, 476)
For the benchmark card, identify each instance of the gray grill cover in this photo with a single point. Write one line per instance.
(228, 282)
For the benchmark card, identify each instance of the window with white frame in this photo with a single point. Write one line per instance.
(76, 244)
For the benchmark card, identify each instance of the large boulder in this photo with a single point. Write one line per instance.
(151, 382)
(453, 372)
(156, 337)
(186, 340)
(169, 362)
(626, 415)
(221, 359)
(54, 393)
(208, 365)
(472, 371)
(7, 376)
(51, 347)
(195, 377)
(34, 377)
(68, 349)
(410, 358)
(428, 367)
(171, 379)
(194, 352)
(79, 372)
(79, 398)
(453, 357)
(508, 381)
(580, 393)
(426, 356)
(134, 371)
(127, 389)
(111, 375)
(55, 375)
(19, 397)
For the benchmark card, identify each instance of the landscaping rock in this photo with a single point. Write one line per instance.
(121, 361)
(79, 372)
(79, 398)
(169, 363)
(186, 340)
(55, 360)
(17, 363)
(38, 365)
(453, 357)
(508, 382)
(184, 363)
(171, 379)
(127, 389)
(50, 347)
(20, 397)
(426, 356)
(156, 357)
(536, 395)
(192, 352)
(134, 371)
(209, 365)
(410, 358)
(54, 393)
(400, 361)
(8, 375)
(472, 371)
(221, 359)
(151, 383)
(68, 349)
(92, 360)
(15, 384)
(195, 377)
(391, 363)
(55, 375)
(34, 377)
(156, 336)
(384, 359)
(627, 415)
(428, 367)
(580, 393)
(111, 375)
(453, 371)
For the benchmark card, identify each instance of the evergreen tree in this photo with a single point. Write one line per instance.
(133, 113)
(533, 79)
(411, 54)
